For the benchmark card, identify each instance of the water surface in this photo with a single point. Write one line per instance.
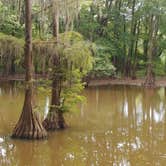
(117, 126)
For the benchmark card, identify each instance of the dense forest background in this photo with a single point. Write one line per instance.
(128, 35)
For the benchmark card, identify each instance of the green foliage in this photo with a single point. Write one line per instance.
(71, 94)
(8, 41)
(11, 26)
(9, 23)
(11, 50)
(76, 60)
(103, 63)
(77, 53)
(109, 25)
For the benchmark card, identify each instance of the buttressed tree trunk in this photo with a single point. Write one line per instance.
(55, 119)
(29, 125)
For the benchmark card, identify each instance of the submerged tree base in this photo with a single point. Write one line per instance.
(149, 84)
(54, 121)
(150, 81)
(29, 128)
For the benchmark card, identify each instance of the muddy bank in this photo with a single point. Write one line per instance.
(21, 77)
(160, 82)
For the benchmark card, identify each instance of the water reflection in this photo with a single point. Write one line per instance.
(118, 125)
(138, 122)
(46, 106)
(6, 149)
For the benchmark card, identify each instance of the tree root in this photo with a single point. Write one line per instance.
(149, 82)
(54, 121)
(29, 127)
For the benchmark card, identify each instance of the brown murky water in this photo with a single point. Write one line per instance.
(117, 126)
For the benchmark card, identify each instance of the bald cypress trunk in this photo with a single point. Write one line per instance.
(55, 119)
(29, 125)
(150, 75)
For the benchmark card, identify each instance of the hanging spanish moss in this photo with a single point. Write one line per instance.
(11, 53)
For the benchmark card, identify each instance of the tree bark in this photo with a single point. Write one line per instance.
(55, 119)
(128, 65)
(135, 51)
(150, 76)
(29, 125)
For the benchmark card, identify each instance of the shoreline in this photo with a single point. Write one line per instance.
(160, 81)
(21, 77)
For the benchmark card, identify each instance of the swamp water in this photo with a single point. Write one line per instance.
(117, 126)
